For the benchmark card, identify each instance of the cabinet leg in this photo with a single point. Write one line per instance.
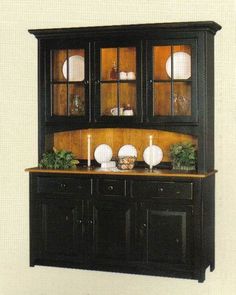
(201, 277)
(31, 263)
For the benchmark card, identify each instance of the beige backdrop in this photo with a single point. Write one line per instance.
(18, 142)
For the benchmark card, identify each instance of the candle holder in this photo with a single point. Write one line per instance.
(89, 150)
(152, 156)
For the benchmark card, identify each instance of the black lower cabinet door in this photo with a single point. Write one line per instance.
(62, 229)
(163, 234)
(112, 231)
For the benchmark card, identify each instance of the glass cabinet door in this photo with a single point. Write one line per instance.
(171, 82)
(117, 81)
(69, 83)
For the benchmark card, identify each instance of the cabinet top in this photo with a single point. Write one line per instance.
(139, 29)
(134, 172)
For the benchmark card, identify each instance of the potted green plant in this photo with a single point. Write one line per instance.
(58, 160)
(183, 156)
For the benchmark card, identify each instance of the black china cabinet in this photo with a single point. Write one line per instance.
(121, 83)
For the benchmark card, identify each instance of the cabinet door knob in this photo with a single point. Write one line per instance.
(110, 188)
(67, 218)
(86, 82)
(90, 221)
(150, 81)
(160, 189)
(80, 221)
(144, 225)
(63, 186)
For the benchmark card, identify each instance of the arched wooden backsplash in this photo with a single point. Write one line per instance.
(76, 141)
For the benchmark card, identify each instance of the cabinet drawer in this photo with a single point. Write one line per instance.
(64, 185)
(111, 187)
(156, 189)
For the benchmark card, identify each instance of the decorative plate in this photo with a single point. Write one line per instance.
(127, 150)
(153, 155)
(76, 68)
(181, 65)
(103, 153)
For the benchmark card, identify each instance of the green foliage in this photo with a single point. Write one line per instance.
(58, 160)
(183, 155)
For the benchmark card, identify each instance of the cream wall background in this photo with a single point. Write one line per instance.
(18, 142)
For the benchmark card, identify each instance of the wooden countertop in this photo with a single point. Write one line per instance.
(114, 171)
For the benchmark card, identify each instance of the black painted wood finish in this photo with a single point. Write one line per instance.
(150, 225)
(200, 35)
(119, 230)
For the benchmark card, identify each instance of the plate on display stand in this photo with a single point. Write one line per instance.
(76, 68)
(153, 155)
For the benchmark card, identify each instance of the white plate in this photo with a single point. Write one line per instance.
(103, 153)
(181, 65)
(76, 68)
(127, 150)
(153, 155)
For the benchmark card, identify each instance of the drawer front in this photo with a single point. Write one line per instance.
(111, 187)
(64, 185)
(155, 189)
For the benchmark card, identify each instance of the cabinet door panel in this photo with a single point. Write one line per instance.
(112, 231)
(167, 236)
(171, 81)
(68, 81)
(117, 81)
(62, 231)
(163, 234)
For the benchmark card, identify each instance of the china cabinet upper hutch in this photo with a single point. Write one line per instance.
(120, 84)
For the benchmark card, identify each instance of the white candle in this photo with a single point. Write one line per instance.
(89, 150)
(150, 155)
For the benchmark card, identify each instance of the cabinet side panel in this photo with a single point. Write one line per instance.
(35, 224)
(208, 197)
(210, 102)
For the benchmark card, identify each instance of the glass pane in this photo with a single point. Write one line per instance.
(127, 63)
(109, 99)
(162, 99)
(182, 98)
(76, 65)
(76, 100)
(161, 58)
(109, 64)
(59, 57)
(59, 99)
(128, 98)
(181, 62)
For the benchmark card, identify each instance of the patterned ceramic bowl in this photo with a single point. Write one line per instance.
(126, 163)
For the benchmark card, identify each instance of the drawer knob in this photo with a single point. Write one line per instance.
(178, 192)
(80, 221)
(110, 188)
(160, 189)
(90, 222)
(63, 186)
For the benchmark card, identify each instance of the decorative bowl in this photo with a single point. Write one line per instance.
(126, 162)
